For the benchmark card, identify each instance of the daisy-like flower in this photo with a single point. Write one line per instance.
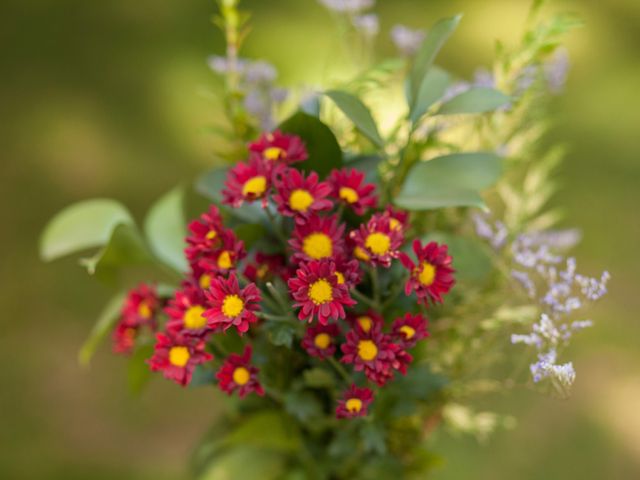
(348, 271)
(376, 241)
(226, 257)
(375, 353)
(247, 182)
(317, 238)
(319, 341)
(200, 276)
(349, 188)
(124, 338)
(265, 267)
(177, 355)
(398, 219)
(229, 305)
(366, 322)
(278, 146)
(410, 329)
(186, 311)
(141, 306)
(354, 403)
(317, 291)
(297, 195)
(204, 236)
(237, 373)
(432, 276)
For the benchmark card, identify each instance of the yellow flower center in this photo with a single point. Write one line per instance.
(211, 235)
(193, 318)
(317, 246)
(274, 153)
(179, 356)
(349, 195)
(232, 306)
(427, 274)
(367, 350)
(340, 278)
(395, 224)
(262, 271)
(300, 200)
(378, 243)
(320, 292)
(241, 376)
(361, 254)
(224, 260)
(322, 340)
(408, 331)
(365, 323)
(144, 310)
(353, 405)
(204, 281)
(255, 186)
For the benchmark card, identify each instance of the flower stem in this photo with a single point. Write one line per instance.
(340, 369)
(361, 297)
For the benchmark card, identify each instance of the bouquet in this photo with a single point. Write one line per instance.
(350, 277)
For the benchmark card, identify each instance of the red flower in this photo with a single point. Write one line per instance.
(186, 311)
(266, 267)
(354, 403)
(317, 291)
(200, 276)
(227, 256)
(297, 195)
(319, 342)
(374, 353)
(377, 241)
(236, 373)
(205, 234)
(433, 275)
(248, 182)
(348, 188)
(279, 146)
(348, 271)
(398, 219)
(177, 355)
(316, 238)
(228, 305)
(141, 306)
(409, 329)
(366, 322)
(124, 338)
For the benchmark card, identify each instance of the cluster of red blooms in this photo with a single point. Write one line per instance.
(322, 268)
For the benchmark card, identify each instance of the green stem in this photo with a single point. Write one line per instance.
(361, 297)
(276, 226)
(275, 318)
(375, 284)
(341, 370)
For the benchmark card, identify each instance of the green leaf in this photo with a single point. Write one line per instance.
(138, 371)
(432, 44)
(281, 334)
(358, 113)
(266, 429)
(474, 100)
(373, 438)
(470, 258)
(106, 321)
(80, 226)
(250, 233)
(449, 181)
(304, 406)
(432, 89)
(246, 464)
(318, 378)
(324, 150)
(165, 229)
(126, 247)
(368, 164)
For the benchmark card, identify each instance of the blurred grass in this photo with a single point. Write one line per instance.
(104, 99)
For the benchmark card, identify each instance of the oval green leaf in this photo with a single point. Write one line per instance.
(358, 113)
(475, 100)
(80, 226)
(432, 89)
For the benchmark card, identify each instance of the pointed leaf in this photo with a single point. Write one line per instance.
(475, 100)
(358, 113)
(105, 323)
(432, 89)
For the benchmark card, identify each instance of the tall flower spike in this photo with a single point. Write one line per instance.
(432, 276)
(349, 188)
(318, 293)
(231, 306)
(176, 356)
(354, 403)
(237, 373)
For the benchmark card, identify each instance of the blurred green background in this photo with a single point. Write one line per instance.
(106, 99)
